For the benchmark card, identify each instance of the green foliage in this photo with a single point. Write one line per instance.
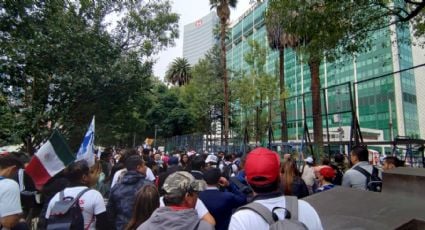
(203, 95)
(252, 89)
(329, 28)
(60, 66)
(169, 112)
(178, 72)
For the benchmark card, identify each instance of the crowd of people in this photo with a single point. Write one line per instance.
(141, 189)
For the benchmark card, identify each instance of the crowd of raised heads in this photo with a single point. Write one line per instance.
(139, 188)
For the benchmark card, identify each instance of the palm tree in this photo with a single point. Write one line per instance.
(178, 72)
(279, 40)
(223, 13)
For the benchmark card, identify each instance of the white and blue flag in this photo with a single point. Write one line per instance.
(86, 151)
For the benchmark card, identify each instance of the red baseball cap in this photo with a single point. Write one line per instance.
(327, 172)
(262, 166)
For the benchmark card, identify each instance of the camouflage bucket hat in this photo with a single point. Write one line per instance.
(182, 182)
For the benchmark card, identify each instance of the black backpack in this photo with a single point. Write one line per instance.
(228, 171)
(66, 213)
(373, 182)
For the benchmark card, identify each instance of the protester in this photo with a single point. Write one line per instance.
(262, 168)
(147, 201)
(354, 178)
(211, 161)
(197, 166)
(172, 168)
(391, 162)
(117, 177)
(308, 174)
(291, 182)
(10, 201)
(185, 162)
(181, 196)
(123, 194)
(325, 177)
(220, 204)
(91, 202)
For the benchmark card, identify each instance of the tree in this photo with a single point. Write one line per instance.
(223, 13)
(203, 95)
(178, 72)
(327, 29)
(279, 40)
(60, 64)
(255, 87)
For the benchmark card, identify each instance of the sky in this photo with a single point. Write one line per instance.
(190, 11)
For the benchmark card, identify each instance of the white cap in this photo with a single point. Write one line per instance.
(211, 159)
(309, 160)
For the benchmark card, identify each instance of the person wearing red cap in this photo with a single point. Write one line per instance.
(325, 176)
(262, 168)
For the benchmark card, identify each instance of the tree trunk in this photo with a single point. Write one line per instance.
(284, 125)
(225, 83)
(314, 65)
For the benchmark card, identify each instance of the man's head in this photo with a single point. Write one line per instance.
(181, 189)
(326, 173)
(173, 161)
(211, 161)
(359, 153)
(197, 163)
(78, 173)
(391, 162)
(262, 168)
(9, 165)
(135, 163)
(212, 176)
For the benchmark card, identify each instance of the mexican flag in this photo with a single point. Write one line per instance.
(52, 157)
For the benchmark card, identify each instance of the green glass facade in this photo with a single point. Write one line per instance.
(374, 98)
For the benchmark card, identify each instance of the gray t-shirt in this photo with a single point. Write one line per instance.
(355, 179)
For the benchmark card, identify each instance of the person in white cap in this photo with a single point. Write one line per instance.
(308, 174)
(211, 161)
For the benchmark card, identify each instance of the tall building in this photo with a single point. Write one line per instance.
(198, 37)
(386, 106)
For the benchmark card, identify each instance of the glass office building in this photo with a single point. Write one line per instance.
(386, 106)
(198, 37)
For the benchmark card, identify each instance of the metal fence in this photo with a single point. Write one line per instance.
(377, 111)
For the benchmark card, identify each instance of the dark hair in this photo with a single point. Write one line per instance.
(9, 160)
(394, 160)
(132, 162)
(339, 158)
(271, 187)
(228, 157)
(212, 176)
(173, 199)
(288, 172)
(360, 152)
(76, 171)
(326, 161)
(147, 200)
(127, 154)
(197, 163)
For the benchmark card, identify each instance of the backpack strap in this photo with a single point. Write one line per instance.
(363, 171)
(291, 203)
(260, 210)
(62, 195)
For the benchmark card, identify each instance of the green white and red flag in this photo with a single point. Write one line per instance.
(52, 157)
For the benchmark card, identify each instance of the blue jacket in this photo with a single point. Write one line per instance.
(221, 205)
(122, 198)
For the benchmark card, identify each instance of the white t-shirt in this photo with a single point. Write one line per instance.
(149, 175)
(200, 207)
(247, 219)
(308, 175)
(91, 203)
(10, 199)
